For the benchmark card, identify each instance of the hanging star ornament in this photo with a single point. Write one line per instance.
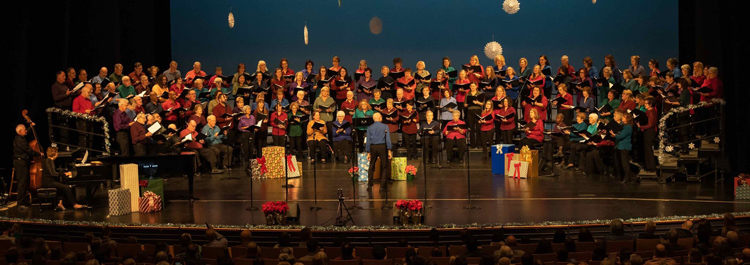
(691, 146)
(305, 33)
(717, 140)
(511, 6)
(231, 20)
(493, 49)
(669, 149)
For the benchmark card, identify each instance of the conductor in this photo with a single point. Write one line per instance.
(378, 143)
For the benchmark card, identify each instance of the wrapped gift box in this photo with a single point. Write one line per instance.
(293, 168)
(518, 169)
(364, 165)
(509, 157)
(274, 161)
(149, 203)
(258, 167)
(119, 201)
(742, 187)
(129, 180)
(155, 185)
(398, 168)
(531, 156)
(498, 157)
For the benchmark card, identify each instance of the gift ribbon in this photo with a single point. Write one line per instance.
(508, 158)
(262, 162)
(290, 164)
(143, 183)
(499, 149)
(517, 173)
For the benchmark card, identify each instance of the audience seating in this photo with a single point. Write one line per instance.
(75, 247)
(270, 261)
(124, 249)
(646, 254)
(646, 244)
(376, 262)
(580, 256)
(557, 246)
(299, 252)
(545, 257)
(243, 261)
(616, 246)
(239, 252)
(363, 253)
(528, 248)
(343, 262)
(270, 252)
(456, 250)
(586, 246)
(685, 242)
(441, 260)
(213, 262)
(489, 249)
(473, 260)
(332, 252)
(426, 251)
(397, 252)
(213, 252)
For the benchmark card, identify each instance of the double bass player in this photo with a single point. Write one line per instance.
(22, 155)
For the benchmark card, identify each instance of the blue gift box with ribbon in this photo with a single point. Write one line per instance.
(498, 157)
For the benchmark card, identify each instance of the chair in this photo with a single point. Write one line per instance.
(426, 251)
(270, 261)
(397, 252)
(529, 248)
(177, 249)
(645, 254)
(364, 253)
(546, 257)
(457, 250)
(214, 252)
(580, 256)
(50, 244)
(441, 260)
(597, 262)
(238, 252)
(242, 261)
(124, 249)
(489, 249)
(75, 247)
(344, 262)
(299, 252)
(585, 246)
(686, 242)
(6, 244)
(616, 246)
(557, 246)
(305, 262)
(473, 260)
(46, 195)
(150, 249)
(270, 253)
(52, 262)
(679, 253)
(646, 244)
(332, 252)
(377, 262)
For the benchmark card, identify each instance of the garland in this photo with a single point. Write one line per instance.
(663, 148)
(370, 227)
(92, 118)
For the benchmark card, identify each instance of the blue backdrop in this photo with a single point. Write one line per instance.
(419, 30)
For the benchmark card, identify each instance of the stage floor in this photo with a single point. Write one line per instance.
(571, 196)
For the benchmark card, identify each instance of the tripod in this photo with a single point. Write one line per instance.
(342, 220)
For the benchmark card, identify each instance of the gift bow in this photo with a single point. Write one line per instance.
(499, 149)
(290, 164)
(143, 183)
(509, 157)
(262, 162)
(517, 173)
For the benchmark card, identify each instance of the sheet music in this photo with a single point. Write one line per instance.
(154, 127)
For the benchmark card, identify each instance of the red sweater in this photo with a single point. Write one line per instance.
(221, 110)
(536, 133)
(349, 105)
(274, 88)
(651, 125)
(461, 95)
(192, 144)
(341, 91)
(473, 77)
(627, 105)
(568, 100)
(408, 90)
(170, 104)
(509, 124)
(454, 134)
(81, 105)
(541, 110)
(283, 118)
(409, 126)
(488, 124)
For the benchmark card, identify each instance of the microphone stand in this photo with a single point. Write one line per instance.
(286, 185)
(424, 166)
(354, 163)
(249, 172)
(385, 174)
(468, 178)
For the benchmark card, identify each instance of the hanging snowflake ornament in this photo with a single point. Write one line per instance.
(717, 140)
(305, 33)
(511, 6)
(493, 49)
(339, 3)
(593, 1)
(669, 148)
(691, 146)
(231, 20)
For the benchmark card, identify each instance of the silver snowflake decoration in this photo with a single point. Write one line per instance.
(669, 148)
(691, 146)
(511, 6)
(717, 140)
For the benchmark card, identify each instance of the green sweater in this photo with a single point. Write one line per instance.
(361, 114)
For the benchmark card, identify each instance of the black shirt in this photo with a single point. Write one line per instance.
(62, 100)
(21, 149)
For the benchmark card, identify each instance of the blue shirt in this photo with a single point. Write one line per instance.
(446, 115)
(578, 127)
(588, 104)
(97, 79)
(513, 91)
(593, 73)
(210, 133)
(344, 135)
(623, 138)
(677, 72)
(284, 103)
(377, 133)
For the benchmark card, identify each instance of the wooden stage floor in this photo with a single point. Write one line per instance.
(571, 196)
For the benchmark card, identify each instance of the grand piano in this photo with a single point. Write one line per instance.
(103, 171)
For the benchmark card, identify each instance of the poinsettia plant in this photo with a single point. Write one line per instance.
(409, 205)
(353, 170)
(411, 170)
(275, 207)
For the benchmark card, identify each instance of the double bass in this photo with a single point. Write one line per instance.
(35, 169)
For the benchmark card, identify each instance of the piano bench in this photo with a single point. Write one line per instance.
(46, 195)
